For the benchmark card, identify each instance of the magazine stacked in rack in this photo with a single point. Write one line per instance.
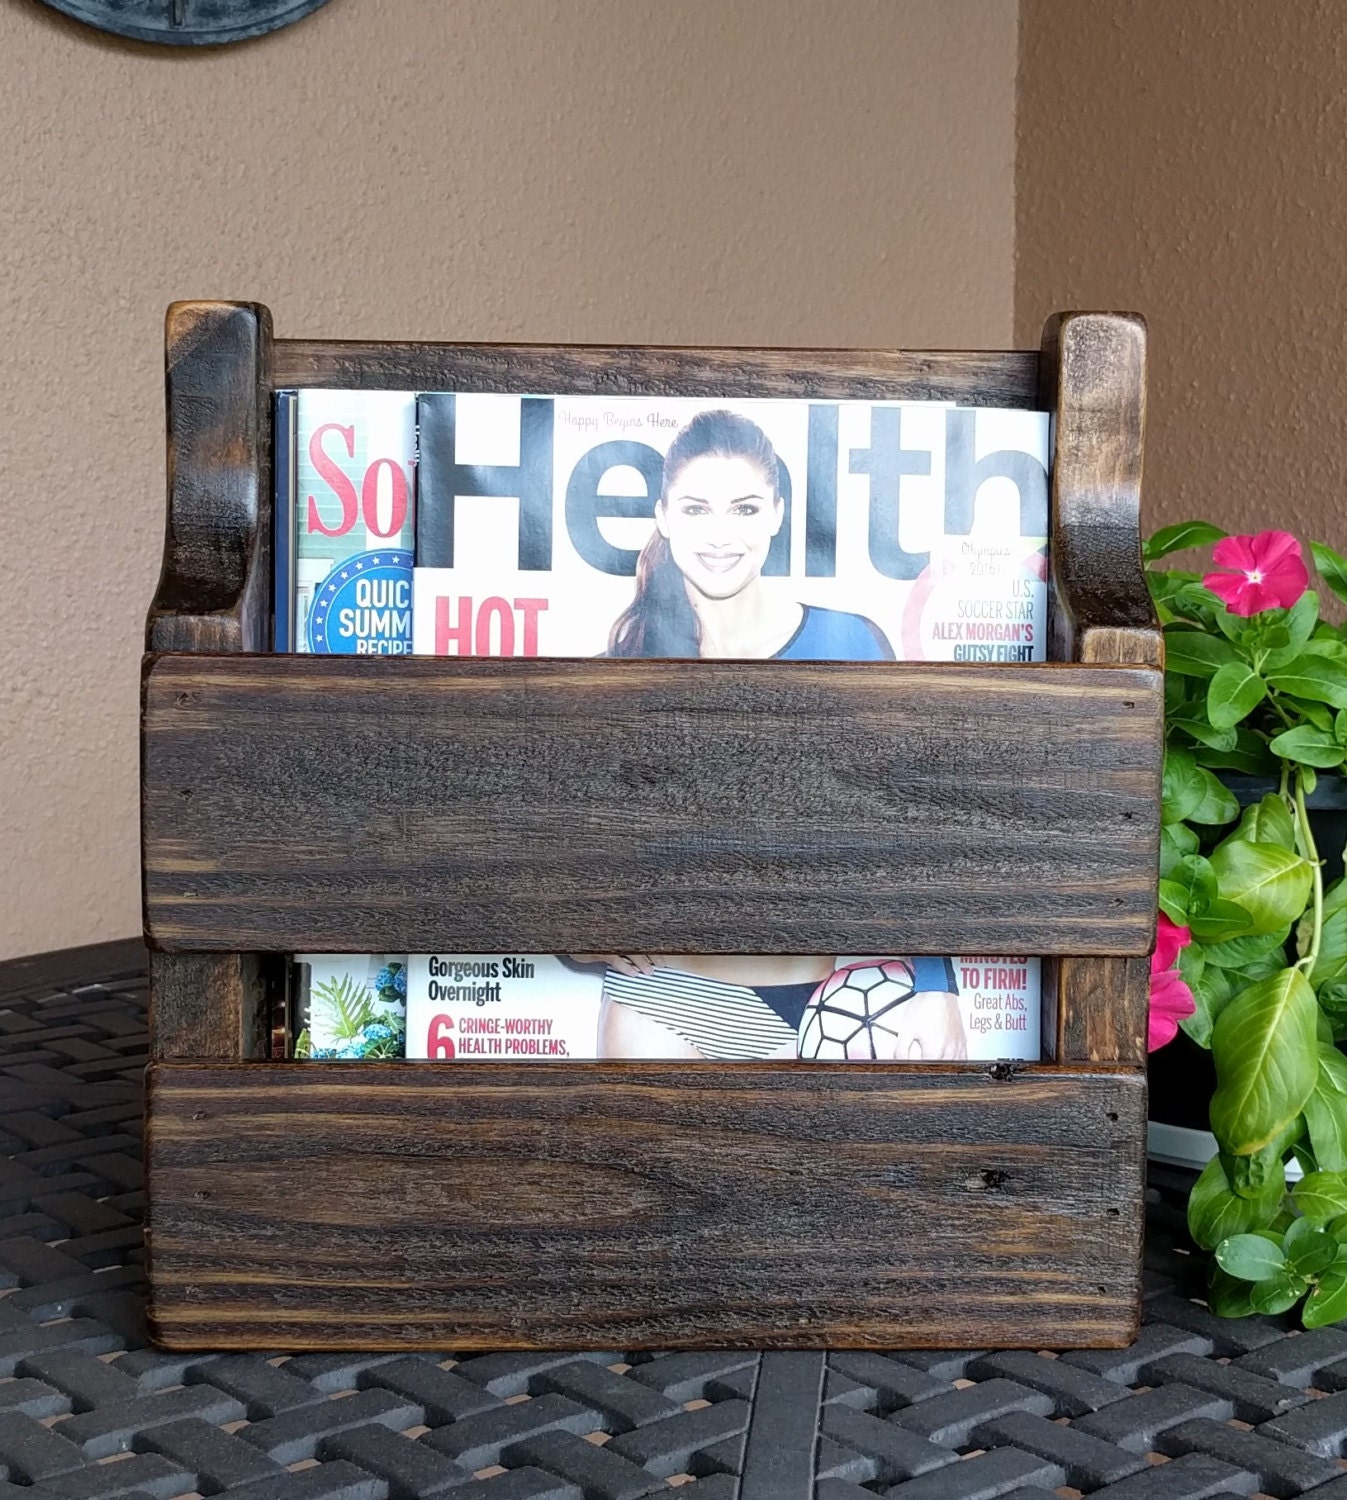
(553, 526)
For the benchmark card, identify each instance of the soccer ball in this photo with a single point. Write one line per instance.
(854, 1012)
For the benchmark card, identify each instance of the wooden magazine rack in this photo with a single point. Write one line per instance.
(304, 803)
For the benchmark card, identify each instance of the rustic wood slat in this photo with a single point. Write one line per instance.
(214, 595)
(444, 1206)
(469, 805)
(973, 379)
(208, 1006)
(1094, 382)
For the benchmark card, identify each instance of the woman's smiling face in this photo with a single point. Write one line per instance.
(719, 518)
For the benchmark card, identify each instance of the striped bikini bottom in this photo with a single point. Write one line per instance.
(724, 1021)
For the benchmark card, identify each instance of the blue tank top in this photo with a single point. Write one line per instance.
(834, 635)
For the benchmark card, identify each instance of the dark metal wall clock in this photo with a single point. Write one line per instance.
(187, 23)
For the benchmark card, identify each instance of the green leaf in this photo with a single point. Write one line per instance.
(1266, 1056)
(1198, 603)
(1212, 991)
(1176, 840)
(1268, 822)
(1189, 889)
(1328, 644)
(1263, 1171)
(1193, 793)
(1195, 724)
(1309, 1248)
(1271, 883)
(1331, 963)
(1221, 921)
(1326, 1111)
(1239, 953)
(1190, 962)
(1233, 693)
(1216, 1211)
(1333, 1003)
(1251, 1257)
(1316, 678)
(1182, 788)
(1192, 653)
(1179, 537)
(1278, 1293)
(1299, 624)
(1332, 566)
(1238, 630)
(1250, 755)
(1321, 1196)
(1327, 1303)
(1227, 1296)
(1217, 804)
(1310, 746)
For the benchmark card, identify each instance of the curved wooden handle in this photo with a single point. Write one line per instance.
(214, 591)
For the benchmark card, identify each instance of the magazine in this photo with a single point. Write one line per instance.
(520, 1007)
(345, 465)
(345, 518)
(553, 526)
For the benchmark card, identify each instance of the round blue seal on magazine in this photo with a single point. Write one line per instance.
(364, 607)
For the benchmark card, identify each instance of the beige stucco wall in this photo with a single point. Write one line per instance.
(715, 171)
(1189, 161)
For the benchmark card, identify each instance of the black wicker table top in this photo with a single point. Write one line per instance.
(1196, 1408)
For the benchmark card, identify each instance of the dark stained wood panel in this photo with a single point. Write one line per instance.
(627, 1206)
(214, 589)
(209, 1005)
(419, 804)
(1093, 380)
(973, 379)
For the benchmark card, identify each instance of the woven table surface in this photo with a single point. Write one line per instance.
(1198, 1407)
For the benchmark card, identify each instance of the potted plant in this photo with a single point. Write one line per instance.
(1251, 955)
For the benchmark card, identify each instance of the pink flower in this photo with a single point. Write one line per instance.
(1171, 999)
(1268, 572)
(1171, 1002)
(1169, 939)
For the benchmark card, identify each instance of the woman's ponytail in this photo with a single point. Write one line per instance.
(660, 620)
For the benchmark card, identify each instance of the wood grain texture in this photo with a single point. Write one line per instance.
(628, 1206)
(214, 591)
(1093, 380)
(468, 805)
(1102, 1010)
(209, 1006)
(974, 379)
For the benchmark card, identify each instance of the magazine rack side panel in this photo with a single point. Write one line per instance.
(214, 596)
(1093, 380)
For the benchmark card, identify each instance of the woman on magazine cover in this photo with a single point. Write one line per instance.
(699, 592)
(699, 587)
